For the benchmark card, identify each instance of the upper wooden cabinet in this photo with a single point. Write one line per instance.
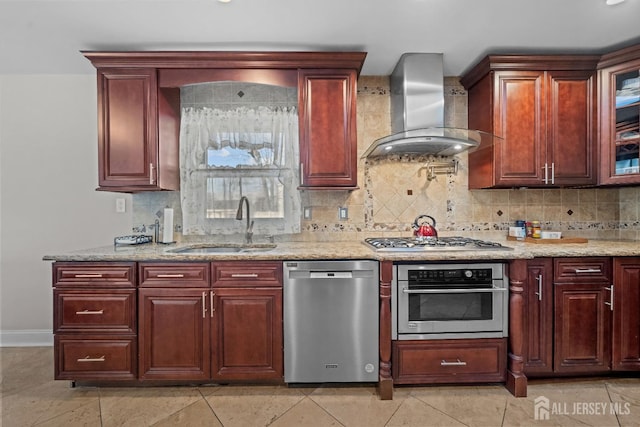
(543, 108)
(138, 129)
(619, 76)
(328, 148)
(139, 111)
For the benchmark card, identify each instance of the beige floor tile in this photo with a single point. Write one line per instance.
(252, 405)
(625, 395)
(87, 415)
(357, 406)
(305, 413)
(198, 414)
(36, 404)
(470, 405)
(571, 403)
(24, 367)
(143, 406)
(415, 413)
(30, 396)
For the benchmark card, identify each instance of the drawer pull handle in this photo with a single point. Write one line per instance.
(244, 275)
(92, 359)
(88, 276)
(587, 270)
(90, 312)
(458, 362)
(170, 276)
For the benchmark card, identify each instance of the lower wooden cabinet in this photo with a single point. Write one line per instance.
(582, 328)
(626, 314)
(95, 357)
(538, 321)
(186, 321)
(231, 331)
(247, 334)
(449, 361)
(94, 321)
(174, 334)
(582, 316)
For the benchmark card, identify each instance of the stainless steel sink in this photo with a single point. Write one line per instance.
(223, 248)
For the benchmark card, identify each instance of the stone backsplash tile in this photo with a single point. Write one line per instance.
(393, 193)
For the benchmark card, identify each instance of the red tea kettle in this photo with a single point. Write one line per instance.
(424, 229)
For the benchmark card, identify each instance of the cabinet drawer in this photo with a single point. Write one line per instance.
(108, 310)
(582, 270)
(250, 274)
(111, 274)
(178, 274)
(449, 361)
(95, 358)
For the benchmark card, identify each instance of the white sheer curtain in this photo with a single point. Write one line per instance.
(265, 140)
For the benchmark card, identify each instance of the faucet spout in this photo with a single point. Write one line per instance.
(248, 234)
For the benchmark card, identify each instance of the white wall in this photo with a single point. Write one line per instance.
(48, 202)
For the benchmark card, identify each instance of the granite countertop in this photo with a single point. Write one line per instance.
(348, 250)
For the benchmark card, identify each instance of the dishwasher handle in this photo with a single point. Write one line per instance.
(331, 275)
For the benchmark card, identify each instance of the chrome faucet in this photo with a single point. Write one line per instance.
(248, 234)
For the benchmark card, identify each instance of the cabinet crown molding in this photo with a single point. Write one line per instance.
(226, 59)
(528, 63)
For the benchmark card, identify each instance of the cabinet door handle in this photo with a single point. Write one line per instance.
(213, 307)
(587, 270)
(458, 362)
(170, 276)
(610, 303)
(92, 359)
(301, 174)
(553, 173)
(245, 275)
(204, 305)
(90, 312)
(152, 174)
(88, 276)
(546, 174)
(539, 293)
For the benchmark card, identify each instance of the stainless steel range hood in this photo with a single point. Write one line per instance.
(417, 112)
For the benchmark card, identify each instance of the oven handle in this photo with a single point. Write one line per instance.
(452, 291)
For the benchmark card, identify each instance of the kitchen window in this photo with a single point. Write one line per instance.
(244, 151)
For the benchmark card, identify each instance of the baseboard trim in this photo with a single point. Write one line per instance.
(26, 338)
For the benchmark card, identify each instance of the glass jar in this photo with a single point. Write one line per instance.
(535, 229)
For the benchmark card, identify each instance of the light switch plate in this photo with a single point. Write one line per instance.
(343, 213)
(306, 214)
(121, 206)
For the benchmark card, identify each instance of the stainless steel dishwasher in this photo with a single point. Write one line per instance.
(331, 321)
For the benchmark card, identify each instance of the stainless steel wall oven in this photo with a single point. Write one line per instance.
(447, 301)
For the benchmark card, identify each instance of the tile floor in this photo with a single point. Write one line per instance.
(30, 397)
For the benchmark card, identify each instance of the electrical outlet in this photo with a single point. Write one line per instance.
(121, 206)
(343, 213)
(306, 214)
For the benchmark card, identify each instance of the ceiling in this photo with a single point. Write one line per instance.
(46, 36)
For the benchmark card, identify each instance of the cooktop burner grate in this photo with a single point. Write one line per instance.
(400, 244)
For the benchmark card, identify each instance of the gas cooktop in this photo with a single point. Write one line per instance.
(418, 244)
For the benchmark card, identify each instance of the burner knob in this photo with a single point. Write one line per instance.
(468, 274)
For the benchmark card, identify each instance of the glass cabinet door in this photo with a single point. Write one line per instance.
(627, 129)
(619, 82)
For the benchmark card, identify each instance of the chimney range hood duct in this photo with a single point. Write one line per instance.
(417, 112)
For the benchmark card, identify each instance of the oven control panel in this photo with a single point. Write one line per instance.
(457, 275)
